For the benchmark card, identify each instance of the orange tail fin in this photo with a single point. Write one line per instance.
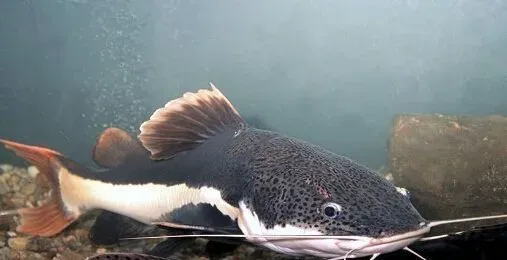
(50, 218)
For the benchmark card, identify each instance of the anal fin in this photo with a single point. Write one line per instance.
(109, 228)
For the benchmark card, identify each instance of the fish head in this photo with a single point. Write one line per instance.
(327, 206)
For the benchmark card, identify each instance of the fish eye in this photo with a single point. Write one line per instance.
(331, 209)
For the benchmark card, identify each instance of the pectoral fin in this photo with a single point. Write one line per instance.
(203, 217)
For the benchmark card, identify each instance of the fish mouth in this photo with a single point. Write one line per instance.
(344, 247)
(382, 245)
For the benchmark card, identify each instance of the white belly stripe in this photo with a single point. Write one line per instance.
(143, 202)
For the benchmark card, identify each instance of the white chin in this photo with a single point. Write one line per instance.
(333, 247)
(336, 248)
(387, 244)
(323, 248)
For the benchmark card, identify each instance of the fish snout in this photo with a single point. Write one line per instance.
(388, 241)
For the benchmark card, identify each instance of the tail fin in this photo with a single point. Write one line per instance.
(52, 217)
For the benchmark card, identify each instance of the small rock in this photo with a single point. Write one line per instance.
(69, 255)
(29, 204)
(40, 244)
(6, 253)
(41, 181)
(33, 171)
(81, 235)
(7, 203)
(71, 242)
(4, 187)
(14, 179)
(6, 167)
(69, 239)
(389, 176)
(28, 189)
(31, 256)
(13, 183)
(18, 201)
(11, 233)
(100, 250)
(18, 243)
(23, 181)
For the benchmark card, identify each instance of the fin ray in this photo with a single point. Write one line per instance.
(185, 122)
(189, 217)
(110, 227)
(52, 217)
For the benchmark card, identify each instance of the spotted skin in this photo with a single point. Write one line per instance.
(291, 180)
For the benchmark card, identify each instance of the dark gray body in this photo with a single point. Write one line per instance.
(284, 181)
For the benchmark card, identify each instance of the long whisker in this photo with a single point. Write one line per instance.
(374, 256)
(434, 237)
(353, 238)
(348, 253)
(413, 252)
(442, 222)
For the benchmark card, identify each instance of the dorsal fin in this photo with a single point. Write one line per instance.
(186, 122)
(114, 147)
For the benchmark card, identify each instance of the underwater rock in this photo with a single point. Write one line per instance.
(3, 239)
(39, 244)
(18, 243)
(4, 187)
(69, 255)
(6, 254)
(454, 166)
(5, 168)
(28, 189)
(32, 171)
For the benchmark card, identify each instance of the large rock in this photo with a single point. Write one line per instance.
(454, 166)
